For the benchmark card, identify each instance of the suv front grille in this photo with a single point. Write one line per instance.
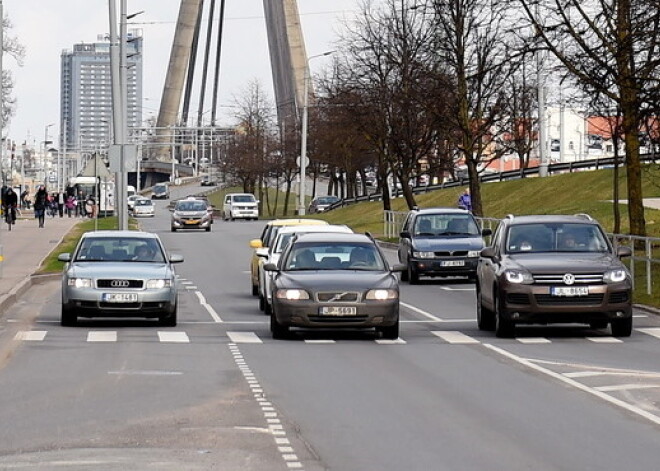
(517, 298)
(549, 300)
(455, 253)
(584, 278)
(338, 297)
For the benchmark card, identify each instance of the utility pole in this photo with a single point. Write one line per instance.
(543, 159)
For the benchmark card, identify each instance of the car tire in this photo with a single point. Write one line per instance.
(413, 276)
(268, 308)
(390, 332)
(622, 327)
(404, 275)
(598, 324)
(169, 320)
(278, 330)
(208, 229)
(504, 328)
(69, 317)
(262, 303)
(255, 290)
(173, 229)
(485, 317)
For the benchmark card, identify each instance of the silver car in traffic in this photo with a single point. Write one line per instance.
(119, 274)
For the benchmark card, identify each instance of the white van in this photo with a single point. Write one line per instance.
(240, 206)
(130, 191)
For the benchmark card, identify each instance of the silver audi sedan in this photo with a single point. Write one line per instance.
(119, 274)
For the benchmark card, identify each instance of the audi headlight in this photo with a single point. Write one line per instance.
(519, 277)
(615, 276)
(292, 294)
(474, 253)
(382, 294)
(158, 284)
(80, 282)
(423, 254)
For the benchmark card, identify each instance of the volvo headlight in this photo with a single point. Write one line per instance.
(474, 253)
(80, 282)
(292, 294)
(519, 277)
(423, 254)
(382, 294)
(615, 276)
(158, 284)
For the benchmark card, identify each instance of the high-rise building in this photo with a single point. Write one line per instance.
(86, 93)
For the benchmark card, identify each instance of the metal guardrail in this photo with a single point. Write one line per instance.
(642, 247)
(564, 167)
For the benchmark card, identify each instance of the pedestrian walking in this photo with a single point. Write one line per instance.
(61, 200)
(40, 205)
(70, 205)
(465, 200)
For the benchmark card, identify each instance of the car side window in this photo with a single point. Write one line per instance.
(497, 237)
(407, 223)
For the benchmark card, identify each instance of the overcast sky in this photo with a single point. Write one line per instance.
(47, 27)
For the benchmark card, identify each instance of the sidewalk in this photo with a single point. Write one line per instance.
(23, 250)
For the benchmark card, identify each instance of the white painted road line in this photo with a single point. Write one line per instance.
(604, 339)
(626, 387)
(533, 340)
(243, 337)
(173, 337)
(31, 335)
(398, 341)
(423, 313)
(653, 331)
(558, 376)
(328, 341)
(208, 307)
(455, 337)
(449, 288)
(102, 336)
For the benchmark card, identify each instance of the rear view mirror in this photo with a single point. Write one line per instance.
(488, 252)
(399, 267)
(64, 257)
(256, 243)
(623, 252)
(405, 235)
(176, 258)
(270, 267)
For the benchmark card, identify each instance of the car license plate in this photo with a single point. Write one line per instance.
(453, 263)
(192, 221)
(338, 311)
(569, 290)
(119, 297)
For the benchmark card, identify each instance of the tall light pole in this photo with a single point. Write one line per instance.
(303, 151)
(43, 157)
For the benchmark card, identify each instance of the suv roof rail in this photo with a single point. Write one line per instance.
(509, 216)
(415, 208)
(584, 216)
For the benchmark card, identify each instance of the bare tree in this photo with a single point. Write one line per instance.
(610, 47)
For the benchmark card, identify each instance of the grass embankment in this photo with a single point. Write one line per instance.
(52, 265)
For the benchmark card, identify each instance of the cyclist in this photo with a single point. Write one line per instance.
(9, 203)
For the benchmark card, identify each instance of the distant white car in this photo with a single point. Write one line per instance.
(143, 207)
(131, 201)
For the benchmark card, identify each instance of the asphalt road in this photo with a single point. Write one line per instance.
(216, 392)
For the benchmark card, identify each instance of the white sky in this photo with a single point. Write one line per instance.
(46, 27)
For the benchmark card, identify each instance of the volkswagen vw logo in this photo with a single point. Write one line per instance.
(119, 283)
(569, 279)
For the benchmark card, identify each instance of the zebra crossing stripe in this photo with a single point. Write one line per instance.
(455, 337)
(102, 336)
(31, 335)
(173, 337)
(653, 331)
(398, 341)
(244, 337)
(533, 340)
(604, 339)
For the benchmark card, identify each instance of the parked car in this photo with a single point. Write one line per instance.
(143, 207)
(551, 269)
(272, 254)
(267, 236)
(160, 191)
(321, 203)
(207, 180)
(119, 274)
(240, 206)
(440, 242)
(334, 281)
(191, 213)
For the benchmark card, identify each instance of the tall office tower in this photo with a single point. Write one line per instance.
(86, 93)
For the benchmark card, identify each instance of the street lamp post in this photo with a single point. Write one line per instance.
(303, 144)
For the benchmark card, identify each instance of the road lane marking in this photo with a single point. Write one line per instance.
(653, 331)
(173, 337)
(145, 373)
(320, 341)
(455, 337)
(626, 387)
(398, 341)
(589, 390)
(208, 307)
(449, 288)
(533, 340)
(31, 335)
(243, 337)
(420, 311)
(102, 336)
(604, 339)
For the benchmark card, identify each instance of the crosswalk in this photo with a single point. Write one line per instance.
(448, 337)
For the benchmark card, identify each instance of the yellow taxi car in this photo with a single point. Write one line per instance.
(267, 236)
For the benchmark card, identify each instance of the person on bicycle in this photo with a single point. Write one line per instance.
(9, 203)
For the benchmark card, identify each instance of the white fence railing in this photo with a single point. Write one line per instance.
(642, 247)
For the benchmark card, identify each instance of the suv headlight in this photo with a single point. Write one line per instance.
(382, 294)
(474, 253)
(80, 282)
(423, 254)
(158, 284)
(292, 294)
(615, 276)
(519, 277)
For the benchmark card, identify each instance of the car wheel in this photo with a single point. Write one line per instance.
(622, 327)
(404, 275)
(173, 229)
(169, 320)
(390, 332)
(208, 229)
(485, 317)
(413, 276)
(255, 290)
(262, 303)
(504, 328)
(278, 330)
(268, 309)
(69, 317)
(598, 324)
